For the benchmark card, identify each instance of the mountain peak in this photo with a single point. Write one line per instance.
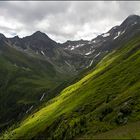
(16, 37)
(1, 35)
(39, 33)
(131, 20)
(133, 16)
(41, 36)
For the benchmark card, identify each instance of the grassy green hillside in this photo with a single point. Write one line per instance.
(104, 100)
(23, 80)
(129, 131)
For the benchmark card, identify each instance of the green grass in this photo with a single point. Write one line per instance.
(103, 100)
(129, 131)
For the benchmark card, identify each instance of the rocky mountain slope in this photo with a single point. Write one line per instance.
(63, 56)
(105, 42)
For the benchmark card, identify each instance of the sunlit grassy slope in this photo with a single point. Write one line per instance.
(106, 98)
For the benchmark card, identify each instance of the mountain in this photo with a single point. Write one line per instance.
(94, 50)
(71, 45)
(86, 53)
(77, 89)
(108, 41)
(104, 100)
(40, 44)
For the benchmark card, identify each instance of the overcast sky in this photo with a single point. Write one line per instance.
(69, 20)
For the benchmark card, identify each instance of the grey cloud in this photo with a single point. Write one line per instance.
(65, 20)
(32, 11)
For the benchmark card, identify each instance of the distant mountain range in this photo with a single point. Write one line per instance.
(57, 89)
(62, 56)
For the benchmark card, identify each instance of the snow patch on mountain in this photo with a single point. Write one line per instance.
(90, 52)
(106, 35)
(42, 97)
(90, 64)
(29, 109)
(117, 35)
(134, 23)
(94, 41)
(67, 63)
(42, 53)
(97, 55)
(122, 32)
(74, 46)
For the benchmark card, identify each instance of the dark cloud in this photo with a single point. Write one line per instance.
(64, 20)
